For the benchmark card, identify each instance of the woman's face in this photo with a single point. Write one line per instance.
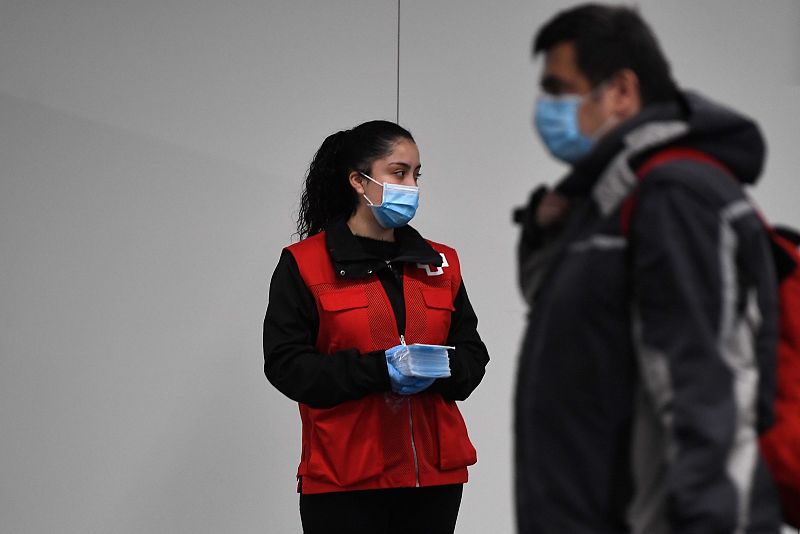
(401, 166)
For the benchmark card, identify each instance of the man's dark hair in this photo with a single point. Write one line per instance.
(608, 39)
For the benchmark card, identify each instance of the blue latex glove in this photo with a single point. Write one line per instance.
(402, 384)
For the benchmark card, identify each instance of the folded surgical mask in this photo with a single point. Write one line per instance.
(398, 205)
(556, 120)
(421, 360)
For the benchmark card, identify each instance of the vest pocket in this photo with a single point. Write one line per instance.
(438, 311)
(438, 298)
(455, 448)
(343, 300)
(343, 318)
(344, 448)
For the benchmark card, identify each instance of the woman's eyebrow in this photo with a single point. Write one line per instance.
(405, 165)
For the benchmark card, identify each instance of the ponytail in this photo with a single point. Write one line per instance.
(319, 203)
(327, 195)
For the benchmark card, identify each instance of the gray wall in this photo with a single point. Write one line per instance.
(152, 155)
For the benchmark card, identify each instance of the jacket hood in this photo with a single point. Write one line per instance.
(699, 123)
(728, 136)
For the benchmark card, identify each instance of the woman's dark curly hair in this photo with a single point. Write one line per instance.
(327, 194)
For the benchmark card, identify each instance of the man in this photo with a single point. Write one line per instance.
(647, 368)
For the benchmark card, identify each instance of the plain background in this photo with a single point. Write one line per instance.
(151, 156)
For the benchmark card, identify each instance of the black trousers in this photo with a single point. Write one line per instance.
(429, 510)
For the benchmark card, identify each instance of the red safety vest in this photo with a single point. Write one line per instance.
(382, 440)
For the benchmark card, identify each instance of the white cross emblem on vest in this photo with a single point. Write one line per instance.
(439, 270)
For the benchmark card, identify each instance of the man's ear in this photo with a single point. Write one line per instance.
(627, 99)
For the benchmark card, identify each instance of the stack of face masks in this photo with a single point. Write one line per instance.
(428, 361)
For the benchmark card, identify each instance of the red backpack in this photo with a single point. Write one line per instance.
(780, 444)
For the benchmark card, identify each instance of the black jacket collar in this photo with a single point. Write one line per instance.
(351, 260)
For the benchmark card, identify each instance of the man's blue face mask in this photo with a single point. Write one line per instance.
(398, 205)
(556, 120)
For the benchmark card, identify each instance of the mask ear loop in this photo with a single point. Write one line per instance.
(365, 195)
(610, 121)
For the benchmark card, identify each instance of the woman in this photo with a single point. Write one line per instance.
(381, 451)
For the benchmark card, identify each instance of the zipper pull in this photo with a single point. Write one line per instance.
(402, 340)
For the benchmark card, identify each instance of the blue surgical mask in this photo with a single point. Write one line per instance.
(556, 120)
(398, 204)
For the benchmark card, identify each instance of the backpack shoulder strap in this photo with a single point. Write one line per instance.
(658, 159)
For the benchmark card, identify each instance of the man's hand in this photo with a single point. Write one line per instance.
(552, 209)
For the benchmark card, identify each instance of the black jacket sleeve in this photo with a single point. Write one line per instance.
(291, 361)
(468, 360)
